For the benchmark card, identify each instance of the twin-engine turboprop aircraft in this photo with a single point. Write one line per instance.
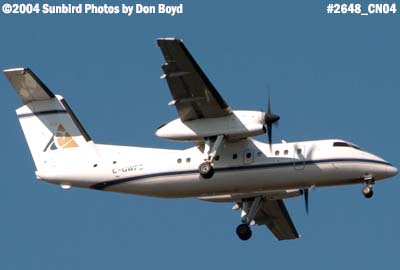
(225, 165)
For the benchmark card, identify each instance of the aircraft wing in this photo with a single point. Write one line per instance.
(193, 94)
(275, 216)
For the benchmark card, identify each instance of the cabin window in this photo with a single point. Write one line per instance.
(234, 156)
(286, 152)
(345, 144)
(216, 157)
(248, 155)
(179, 160)
(276, 153)
(299, 151)
(342, 144)
(188, 160)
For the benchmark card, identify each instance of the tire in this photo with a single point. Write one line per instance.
(244, 232)
(206, 170)
(367, 192)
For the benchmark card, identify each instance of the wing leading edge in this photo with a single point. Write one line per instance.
(275, 216)
(194, 96)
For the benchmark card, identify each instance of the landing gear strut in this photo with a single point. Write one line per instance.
(206, 168)
(249, 211)
(367, 190)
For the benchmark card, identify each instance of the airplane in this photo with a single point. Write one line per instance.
(226, 164)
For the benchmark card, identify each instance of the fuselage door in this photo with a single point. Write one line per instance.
(299, 158)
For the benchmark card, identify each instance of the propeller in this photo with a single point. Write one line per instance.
(305, 193)
(306, 199)
(269, 120)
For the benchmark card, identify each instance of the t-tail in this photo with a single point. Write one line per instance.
(55, 137)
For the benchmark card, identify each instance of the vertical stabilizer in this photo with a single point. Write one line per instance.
(51, 129)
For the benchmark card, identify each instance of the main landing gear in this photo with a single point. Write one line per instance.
(206, 168)
(367, 190)
(249, 211)
(244, 232)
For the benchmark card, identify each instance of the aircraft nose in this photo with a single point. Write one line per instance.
(391, 170)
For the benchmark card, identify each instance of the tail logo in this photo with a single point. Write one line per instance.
(62, 139)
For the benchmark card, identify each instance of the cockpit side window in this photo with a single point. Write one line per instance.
(345, 144)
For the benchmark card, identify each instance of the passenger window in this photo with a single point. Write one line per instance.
(188, 160)
(276, 153)
(299, 151)
(179, 160)
(216, 157)
(248, 155)
(234, 156)
(286, 152)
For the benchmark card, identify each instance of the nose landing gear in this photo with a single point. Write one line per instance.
(367, 190)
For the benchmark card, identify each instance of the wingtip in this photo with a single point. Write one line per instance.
(169, 39)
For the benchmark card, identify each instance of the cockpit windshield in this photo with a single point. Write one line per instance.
(345, 144)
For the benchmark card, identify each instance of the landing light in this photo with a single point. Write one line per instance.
(65, 186)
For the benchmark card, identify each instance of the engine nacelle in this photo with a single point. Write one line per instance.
(241, 124)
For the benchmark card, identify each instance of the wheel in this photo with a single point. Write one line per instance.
(206, 170)
(367, 192)
(244, 232)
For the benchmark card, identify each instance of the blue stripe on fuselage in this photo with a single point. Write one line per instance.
(103, 185)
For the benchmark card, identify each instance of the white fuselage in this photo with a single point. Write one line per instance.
(246, 166)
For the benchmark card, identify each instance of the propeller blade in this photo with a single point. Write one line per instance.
(306, 199)
(269, 130)
(269, 105)
(269, 120)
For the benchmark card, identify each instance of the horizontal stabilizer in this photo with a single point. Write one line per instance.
(53, 132)
(27, 85)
